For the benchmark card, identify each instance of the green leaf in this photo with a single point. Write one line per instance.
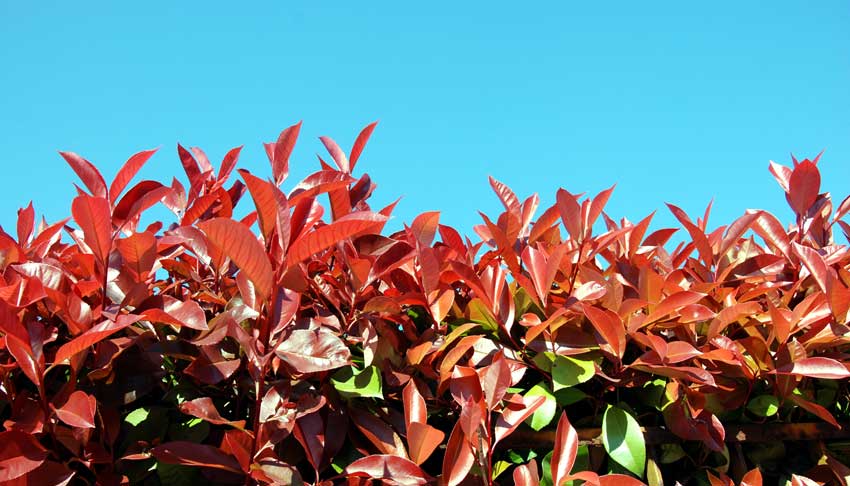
(178, 475)
(567, 372)
(545, 413)
(137, 416)
(145, 424)
(569, 396)
(478, 312)
(351, 383)
(764, 405)
(671, 453)
(191, 430)
(546, 479)
(544, 360)
(623, 440)
(518, 458)
(500, 467)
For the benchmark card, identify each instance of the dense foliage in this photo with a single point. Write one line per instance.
(317, 350)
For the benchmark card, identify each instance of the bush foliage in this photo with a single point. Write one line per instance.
(302, 345)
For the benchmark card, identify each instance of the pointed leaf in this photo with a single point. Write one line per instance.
(205, 409)
(396, 469)
(350, 382)
(326, 236)
(568, 371)
(78, 411)
(422, 441)
(803, 186)
(20, 453)
(360, 143)
(623, 440)
(93, 216)
(816, 367)
(242, 247)
(564, 453)
(87, 173)
(191, 454)
(127, 172)
(309, 351)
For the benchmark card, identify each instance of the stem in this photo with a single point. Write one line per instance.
(260, 388)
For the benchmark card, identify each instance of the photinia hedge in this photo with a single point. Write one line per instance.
(302, 344)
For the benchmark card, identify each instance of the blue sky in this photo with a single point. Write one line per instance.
(673, 101)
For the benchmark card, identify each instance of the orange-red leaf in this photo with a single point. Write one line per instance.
(360, 144)
(566, 448)
(78, 411)
(20, 453)
(127, 172)
(242, 247)
(87, 172)
(94, 217)
(326, 236)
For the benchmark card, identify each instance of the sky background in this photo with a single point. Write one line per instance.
(674, 101)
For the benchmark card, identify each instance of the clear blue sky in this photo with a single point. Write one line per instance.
(674, 101)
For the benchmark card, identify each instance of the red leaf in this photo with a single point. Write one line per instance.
(424, 228)
(414, 405)
(78, 411)
(570, 212)
(458, 458)
(697, 235)
(186, 313)
(326, 236)
(20, 453)
(618, 480)
(378, 432)
(422, 441)
(319, 183)
(781, 173)
(817, 367)
(515, 412)
(49, 473)
(238, 444)
(87, 173)
(803, 186)
(26, 220)
(139, 252)
(506, 195)
(127, 172)
(309, 351)
(337, 154)
(814, 409)
(609, 325)
(495, 379)
(190, 165)
(566, 448)
(93, 336)
(275, 471)
(228, 163)
(526, 475)
(814, 264)
(262, 192)
(191, 454)
(752, 478)
(94, 217)
(238, 243)
(139, 198)
(399, 470)
(771, 230)
(360, 143)
(282, 150)
(204, 408)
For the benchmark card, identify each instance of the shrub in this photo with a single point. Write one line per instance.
(319, 350)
